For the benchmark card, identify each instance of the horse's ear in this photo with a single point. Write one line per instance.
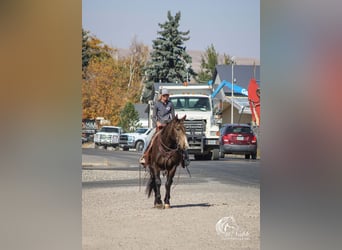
(176, 117)
(183, 118)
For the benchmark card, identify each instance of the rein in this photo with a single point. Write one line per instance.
(165, 150)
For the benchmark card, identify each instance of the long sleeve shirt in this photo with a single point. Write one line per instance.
(163, 112)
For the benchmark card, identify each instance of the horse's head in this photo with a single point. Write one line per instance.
(179, 131)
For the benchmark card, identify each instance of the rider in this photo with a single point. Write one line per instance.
(163, 113)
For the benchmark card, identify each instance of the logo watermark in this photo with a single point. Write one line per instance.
(228, 229)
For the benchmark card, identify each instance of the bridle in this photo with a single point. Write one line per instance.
(167, 151)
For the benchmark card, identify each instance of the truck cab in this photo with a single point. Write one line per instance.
(201, 127)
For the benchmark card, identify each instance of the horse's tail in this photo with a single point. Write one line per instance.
(149, 187)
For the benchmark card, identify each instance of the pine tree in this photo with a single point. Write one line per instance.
(129, 118)
(169, 60)
(86, 54)
(93, 48)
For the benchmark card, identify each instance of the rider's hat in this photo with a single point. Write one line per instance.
(164, 92)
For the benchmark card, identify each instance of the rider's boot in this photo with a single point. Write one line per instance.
(142, 160)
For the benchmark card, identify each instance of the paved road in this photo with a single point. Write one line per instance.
(229, 170)
(117, 215)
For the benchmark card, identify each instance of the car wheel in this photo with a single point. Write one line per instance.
(247, 156)
(254, 156)
(139, 146)
(125, 148)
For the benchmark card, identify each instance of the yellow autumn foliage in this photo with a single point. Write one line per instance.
(108, 84)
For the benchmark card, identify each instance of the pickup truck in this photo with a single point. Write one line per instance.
(107, 136)
(135, 140)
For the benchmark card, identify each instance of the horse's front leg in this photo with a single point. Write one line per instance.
(168, 184)
(157, 199)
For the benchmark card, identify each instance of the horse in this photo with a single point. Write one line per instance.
(166, 154)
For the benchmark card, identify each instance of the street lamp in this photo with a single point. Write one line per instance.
(232, 92)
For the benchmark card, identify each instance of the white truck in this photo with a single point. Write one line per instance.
(107, 136)
(202, 128)
(135, 140)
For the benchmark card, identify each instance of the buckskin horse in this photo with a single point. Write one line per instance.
(165, 154)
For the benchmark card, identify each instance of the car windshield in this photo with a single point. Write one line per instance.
(109, 130)
(238, 130)
(191, 103)
(141, 130)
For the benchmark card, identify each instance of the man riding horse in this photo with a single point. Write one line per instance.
(163, 113)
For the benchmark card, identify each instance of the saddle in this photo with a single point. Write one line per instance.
(147, 154)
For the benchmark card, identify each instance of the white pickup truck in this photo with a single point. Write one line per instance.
(107, 136)
(135, 140)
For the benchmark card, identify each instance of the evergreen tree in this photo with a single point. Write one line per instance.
(129, 118)
(86, 54)
(208, 64)
(93, 48)
(169, 59)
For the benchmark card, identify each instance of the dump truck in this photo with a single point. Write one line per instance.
(201, 126)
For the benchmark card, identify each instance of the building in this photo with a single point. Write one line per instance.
(240, 75)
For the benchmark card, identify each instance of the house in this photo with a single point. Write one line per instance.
(143, 116)
(240, 75)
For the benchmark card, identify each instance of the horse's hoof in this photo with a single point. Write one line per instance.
(159, 206)
(167, 206)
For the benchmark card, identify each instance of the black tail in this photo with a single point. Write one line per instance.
(150, 186)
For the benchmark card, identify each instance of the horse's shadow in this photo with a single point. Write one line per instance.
(192, 205)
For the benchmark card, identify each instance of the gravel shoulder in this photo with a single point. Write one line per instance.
(120, 216)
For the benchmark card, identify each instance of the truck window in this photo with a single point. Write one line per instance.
(191, 103)
(109, 130)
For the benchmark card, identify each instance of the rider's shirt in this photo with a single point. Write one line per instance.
(163, 112)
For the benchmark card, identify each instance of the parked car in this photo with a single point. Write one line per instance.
(238, 139)
(107, 136)
(135, 140)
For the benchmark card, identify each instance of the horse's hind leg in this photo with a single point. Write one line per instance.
(168, 184)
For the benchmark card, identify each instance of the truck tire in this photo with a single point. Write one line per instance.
(215, 154)
(208, 156)
(198, 157)
(139, 146)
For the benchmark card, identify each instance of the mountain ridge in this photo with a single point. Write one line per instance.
(196, 56)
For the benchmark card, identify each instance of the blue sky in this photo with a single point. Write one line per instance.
(232, 26)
